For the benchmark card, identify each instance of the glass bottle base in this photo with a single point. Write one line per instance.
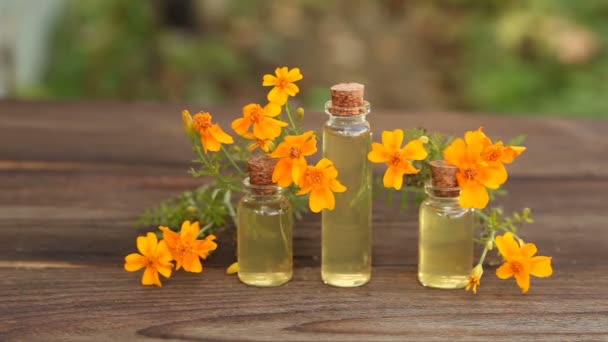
(265, 279)
(345, 279)
(443, 282)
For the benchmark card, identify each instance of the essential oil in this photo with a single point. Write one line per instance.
(264, 231)
(445, 247)
(347, 230)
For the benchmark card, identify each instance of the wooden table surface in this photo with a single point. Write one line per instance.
(74, 176)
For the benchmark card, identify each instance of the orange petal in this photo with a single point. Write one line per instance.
(407, 168)
(541, 266)
(321, 199)
(272, 110)
(392, 140)
(414, 150)
(507, 246)
(210, 143)
(298, 167)
(147, 244)
(151, 277)
(277, 96)
(169, 236)
(393, 178)
(493, 176)
(220, 135)
(241, 125)
(163, 254)
(294, 75)
(269, 80)
(192, 263)
(134, 262)
(291, 89)
(282, 173)
(511, 152)
(336, 186)
(455, 153)
(378, 154)
(528, 250)
(474, 195)
(281, 72)
(504, 271)
(523, 281)
(477, 137)
(165, 269)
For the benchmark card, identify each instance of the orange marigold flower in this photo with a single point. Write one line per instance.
(474, 175)
(155, 257)
(185, 247)
(474, 279)
(292, 152)
(283, 84)
(264, 126)
(521, 262)
(396, 158)
(320, 180)
(212, 135)
(493, 154)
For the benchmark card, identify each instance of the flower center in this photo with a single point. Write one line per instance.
(516, 267)
(201, 122)
(491, 154)
(183, 249)
(316, 177)
(150, 262)
(295, 153)
(256, 115)
(470, 173)
(395, 160)
(282, 83)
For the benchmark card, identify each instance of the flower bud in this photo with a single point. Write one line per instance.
(424, 139)
(300, 112)
(187, 121)
(520, 242)
(477, 271)
(489, 245)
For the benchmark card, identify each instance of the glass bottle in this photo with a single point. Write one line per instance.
(264, 235)
(347, 229)
(445, 245)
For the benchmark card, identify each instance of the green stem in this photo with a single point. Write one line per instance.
(290, 117)
(236, 167)
(485, 248)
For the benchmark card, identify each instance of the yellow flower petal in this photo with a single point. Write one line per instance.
(151, 277)
(393, 178)
(233, 268)
(336, 186)
(540, 266)
(192, 263)
(269, 80)
(134, 262)
(294, 75)
(241, 125)
(507, 246)
(528, 250)
(392, 140)
(378, 154)
(504, 271)
(272, 110)
(321, 199)
(523, 281)
(455, 154)
(493, 176)
(291, 89)
(277, 96)
(414, 150)
(474, 195)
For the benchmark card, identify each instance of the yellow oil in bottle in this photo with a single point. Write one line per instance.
(264, 240)
(347, 230)
(445, 248)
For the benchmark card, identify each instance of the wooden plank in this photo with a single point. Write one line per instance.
(106, 303)
(151, 134)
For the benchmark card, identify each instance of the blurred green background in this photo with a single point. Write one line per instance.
(494, 56)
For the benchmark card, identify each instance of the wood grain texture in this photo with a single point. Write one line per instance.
(73, 177)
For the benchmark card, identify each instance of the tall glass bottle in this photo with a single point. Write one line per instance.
(347, 230)
(264, 229)
(445, 250)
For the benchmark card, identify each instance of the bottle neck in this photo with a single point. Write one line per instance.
(446, 197)
(262, 191)
(351, 116)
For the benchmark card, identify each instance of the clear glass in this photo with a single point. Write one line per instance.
(264, 236)
(346, 242)
(445, 245)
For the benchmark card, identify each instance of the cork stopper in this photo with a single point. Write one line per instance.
(347, 99)
(444, 177)
(260, 168)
